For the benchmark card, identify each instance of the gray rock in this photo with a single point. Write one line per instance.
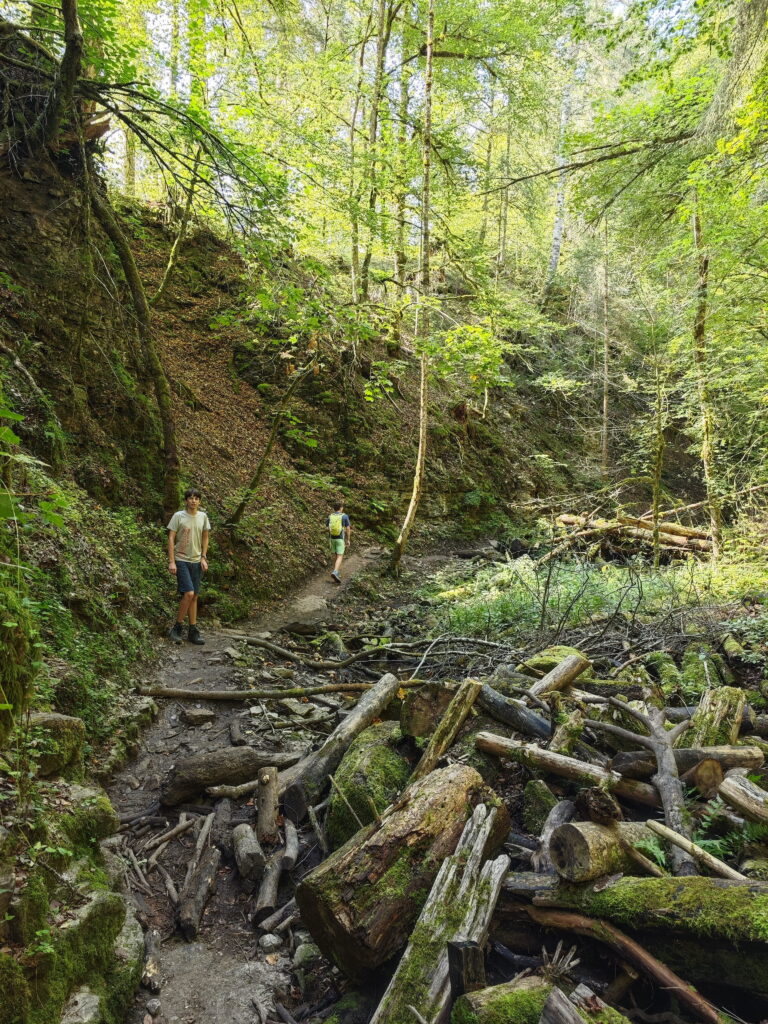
(306, 954)
(198, 716)
(270, 943)
(153, 1007)
(82, 1008)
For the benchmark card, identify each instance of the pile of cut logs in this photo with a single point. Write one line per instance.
(474, 911)
(632, 534)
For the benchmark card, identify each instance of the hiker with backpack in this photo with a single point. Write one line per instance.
(338, 530)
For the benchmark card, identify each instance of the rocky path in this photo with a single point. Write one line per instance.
(223, 976)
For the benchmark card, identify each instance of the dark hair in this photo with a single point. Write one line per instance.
(192, 492)
(338, 506)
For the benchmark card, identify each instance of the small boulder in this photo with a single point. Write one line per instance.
(82, 1008)
(270, 943)
(198, 716)
(306, 954)
(63, 737)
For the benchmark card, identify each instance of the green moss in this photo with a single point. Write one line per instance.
(92, 818)
(31, 910)
(703, 906)
(539, 664)
(17, 653)
(370, 776)
(538, 801)
(15, 990)
(504, 1004)
(666, 670)
(703, 669)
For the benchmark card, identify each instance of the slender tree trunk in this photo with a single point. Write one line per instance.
(109, 224)
(383, 32)
(705, 401)
(606, 361)
(61, 97)
(401, 261)
(174, 59)
(179, 240)
(487, 171)
(504, 212)
(354, 212)
(421, 457)
(558, 229)
(658, 464)
(129, 179)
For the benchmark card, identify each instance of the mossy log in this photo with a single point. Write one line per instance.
(750, 722)
(194, 774)
(423, 707)
(641, 764)
(717, 719)
(302, 784)
(370, 776)
(744, 796)
(583, 850)
(459, 906)
(362, 902)
(520, 1001)
(703, 907)
(567, 767)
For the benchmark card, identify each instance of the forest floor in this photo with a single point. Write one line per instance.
(224, 975)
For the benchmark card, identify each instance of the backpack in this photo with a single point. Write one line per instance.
(335, 527)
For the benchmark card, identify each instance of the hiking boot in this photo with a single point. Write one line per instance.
(175, 633)
(193, 636)
(335, 577)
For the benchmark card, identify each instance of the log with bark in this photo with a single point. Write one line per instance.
(282, 860)
(641, 764)
(583, 850)
(560, 814)
(459, 907)
(713, 863)
(302, 784)
(445, 733)
(199, 882)
(718, 717)
(745, 796)
(566, 767)
(249, 855)
(560, 676)
(362, 902)
(514, 713)
(638, 532)
(192, 775)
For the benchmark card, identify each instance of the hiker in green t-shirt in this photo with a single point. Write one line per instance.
(338, 530)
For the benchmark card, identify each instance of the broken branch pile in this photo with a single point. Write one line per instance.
(631, 534)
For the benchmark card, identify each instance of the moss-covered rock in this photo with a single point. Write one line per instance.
(17, 656)
(538, 801)
(539, 664)
(370, 776)
(124, 974)
(353, 1008)
(62, 738)
(14, 986)
(91, 819)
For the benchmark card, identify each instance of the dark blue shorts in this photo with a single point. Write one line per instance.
(188, 576)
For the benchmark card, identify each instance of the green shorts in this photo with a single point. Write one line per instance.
(337, 545)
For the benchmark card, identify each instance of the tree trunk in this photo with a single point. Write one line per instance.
(302, 785)
(424, 323)
(60, 101)
(445, 733)
(566, 767)
(181, 233)
(458, 908)
(362, 902)
(717, 719)
(112, 229)
(744, 796)
(560, 676)
(513, 712)
(558, 228)
(129, 178)
(702, 374)
(641, 764)
(583, 850)
(606, 361)
(192, 775)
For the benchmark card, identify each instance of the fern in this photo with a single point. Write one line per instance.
(652, 848)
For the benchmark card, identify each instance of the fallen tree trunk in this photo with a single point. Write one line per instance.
(232, 765)
(629, 950)
(514, 713)
(583, 850)
(361, 903)
(720, 908)
(297, 691)
(458, 908)
(192, 900)
(282, 860)
(567, 767)
(750, 723)
(641, 764)
(744, 796)
(713, 863)
(302, 785)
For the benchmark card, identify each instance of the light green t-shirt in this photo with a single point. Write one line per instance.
(188, 546)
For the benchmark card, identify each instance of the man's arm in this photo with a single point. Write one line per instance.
(204, 546)
(171, 554)
(347, 532)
